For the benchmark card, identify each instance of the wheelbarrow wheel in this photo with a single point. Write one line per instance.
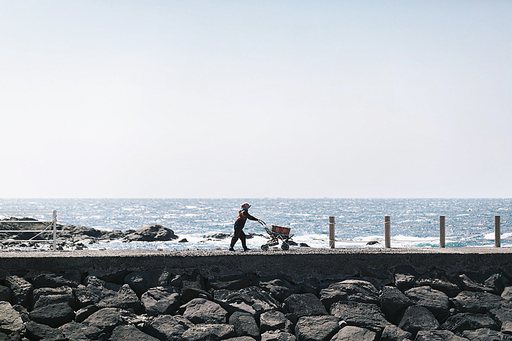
(285, 246)
(264, 247)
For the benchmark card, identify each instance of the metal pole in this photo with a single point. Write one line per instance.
(387, 231)
(497, 232)
(54, 230)
(332, 238)
(442, 231)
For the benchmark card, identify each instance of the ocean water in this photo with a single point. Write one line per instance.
(414, 222)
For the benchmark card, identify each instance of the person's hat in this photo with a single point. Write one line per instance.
(246, 205)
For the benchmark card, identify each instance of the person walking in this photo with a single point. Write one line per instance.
(243, 215)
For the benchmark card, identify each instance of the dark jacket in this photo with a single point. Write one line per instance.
(243, 215)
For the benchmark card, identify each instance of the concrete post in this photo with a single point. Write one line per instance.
(387, 232)
(332, 237)
(54, 219)
(497, 231)
(442, 231)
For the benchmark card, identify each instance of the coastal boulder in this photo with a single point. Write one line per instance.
(201, 310)
(476, 302)
(124, 298)
(405, 277)
(94, 290)
(45, 296)
(351, 333)
(161, 300)
(151, 233)
(364, 315)
(434, 300)
(36, 331)
(245, 325)
(53, 315)
(78, 331)
(193, 286)
(418, 318)
(275, 320)
(5, 294)
(107, 319)
(316, 328)
(20, 289)
(485, 334)
(393, 333)
(54, 280)
(10, 319)
(277, 335)
(352, 290)
(438, 280)
(130, 333)
(142, 281)
(209, 332)
(278, 286)
(304, 305)
(252, 300)
(393, 303)
(468, 321)
(166, 327)
(438, 335)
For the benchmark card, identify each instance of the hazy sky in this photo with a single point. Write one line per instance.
(255, 99)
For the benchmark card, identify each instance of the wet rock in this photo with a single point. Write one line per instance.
(161, 300)
(229, 282)
(279, 287)
(201, 310)
(405, 277)
(141, 282)
(469, 321)
(304, 305)
(36, 331)
(5, 294)
(245, 325)
(53, 315)
(476, 302)
(352, 290)
(77, 331)
(418, 318)
(20, 289)
(10, 319)
(130, 333)
(438, 335)
(275, 320)
(351, 333)
(393, 303)
(365, 315)
(393, 333)
(45, 296)
(434, 300)
(316, 328)
(209, 332)
(277, 335)
(252, 300)
(54, 280)
(165, 327)
(151, 233)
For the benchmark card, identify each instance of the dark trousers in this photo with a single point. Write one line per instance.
(239, 234)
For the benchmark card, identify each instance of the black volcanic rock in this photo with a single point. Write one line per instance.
(151, 233)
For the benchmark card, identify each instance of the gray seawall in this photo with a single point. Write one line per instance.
(323, 262)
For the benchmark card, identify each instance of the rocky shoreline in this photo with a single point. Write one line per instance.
(189, 305)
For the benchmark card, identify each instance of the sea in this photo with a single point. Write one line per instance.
(359, 222)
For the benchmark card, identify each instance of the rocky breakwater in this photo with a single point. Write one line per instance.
(71, 237)
(184, 304)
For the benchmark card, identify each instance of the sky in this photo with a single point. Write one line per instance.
(255, 99)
